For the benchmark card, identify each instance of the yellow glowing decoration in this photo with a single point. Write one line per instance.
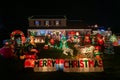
(77, 33)
(42, 41)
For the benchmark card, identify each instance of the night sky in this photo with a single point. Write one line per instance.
(101, 12)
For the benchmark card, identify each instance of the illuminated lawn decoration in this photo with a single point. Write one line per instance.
(18, 32)
(29, 63)
(114, 40)
(83, 65)
(65, 47)
(18, 39)
(65, 65)
(90, 61)
(85, 59)
(86, 63)
(86, 52)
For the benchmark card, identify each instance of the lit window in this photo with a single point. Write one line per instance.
(37, 23)
(47, 23)
(57, 23)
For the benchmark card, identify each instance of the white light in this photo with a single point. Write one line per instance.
(102, 30)
(96, 25)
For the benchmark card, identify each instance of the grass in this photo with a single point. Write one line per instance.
(53, 53)
(111, 64)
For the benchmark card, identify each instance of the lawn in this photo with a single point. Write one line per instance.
(16, 71)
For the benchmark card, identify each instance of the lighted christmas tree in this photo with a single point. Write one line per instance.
(114, 40)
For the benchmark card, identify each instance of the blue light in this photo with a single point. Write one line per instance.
(59, 67)
(42, 32)
(102, 30)
(37, 22)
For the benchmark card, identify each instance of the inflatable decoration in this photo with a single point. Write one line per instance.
(100, 40)
(64, 46)
(18, 32)
(87, 40)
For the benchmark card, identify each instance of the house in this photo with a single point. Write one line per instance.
(55, 26)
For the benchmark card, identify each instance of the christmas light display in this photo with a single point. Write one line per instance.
(64, 46)
(114, 40)
(66, 65)
(18, 32)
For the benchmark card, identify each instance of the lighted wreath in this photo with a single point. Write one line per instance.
(18, 32)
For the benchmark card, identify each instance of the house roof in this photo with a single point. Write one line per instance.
(48, 17)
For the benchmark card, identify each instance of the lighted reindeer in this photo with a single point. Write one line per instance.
(64, 46)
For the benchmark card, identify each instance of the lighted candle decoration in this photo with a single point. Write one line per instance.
(35, 40)
(42, 41)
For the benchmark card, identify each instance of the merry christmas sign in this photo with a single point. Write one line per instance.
(65, 65)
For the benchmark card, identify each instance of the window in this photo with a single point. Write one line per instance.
(47, 23)
(37, 23)
(57, 23)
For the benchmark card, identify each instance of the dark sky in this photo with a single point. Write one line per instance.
(102, 12)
